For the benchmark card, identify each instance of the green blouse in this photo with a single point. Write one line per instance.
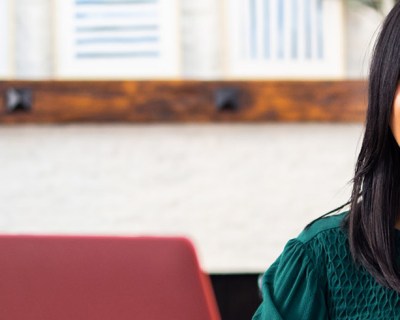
(315, 278)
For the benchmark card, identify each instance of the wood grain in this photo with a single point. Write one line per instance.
(187, 101)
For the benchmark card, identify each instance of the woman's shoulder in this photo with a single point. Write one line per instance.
(324, 236)
(300, 272)
(326, 227)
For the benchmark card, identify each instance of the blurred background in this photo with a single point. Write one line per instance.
(232, 122)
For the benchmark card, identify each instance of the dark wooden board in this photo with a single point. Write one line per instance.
(187, 101)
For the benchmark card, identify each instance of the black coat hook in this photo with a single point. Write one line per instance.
(18, 99)
(226, 99)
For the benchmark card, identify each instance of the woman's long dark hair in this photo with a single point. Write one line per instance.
(375, 199)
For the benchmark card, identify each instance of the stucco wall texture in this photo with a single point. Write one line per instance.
(238, 191)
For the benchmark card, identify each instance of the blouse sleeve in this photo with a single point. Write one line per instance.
(291, 288)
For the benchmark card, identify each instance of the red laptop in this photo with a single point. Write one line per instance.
(102, 278)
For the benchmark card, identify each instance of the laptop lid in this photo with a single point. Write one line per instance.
(99, 278)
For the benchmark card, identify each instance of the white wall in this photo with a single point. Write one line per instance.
(33, 39)
(239, 191)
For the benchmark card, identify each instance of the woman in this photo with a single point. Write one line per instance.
(346, 266)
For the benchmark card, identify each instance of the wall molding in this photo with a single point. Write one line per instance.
(181, 101)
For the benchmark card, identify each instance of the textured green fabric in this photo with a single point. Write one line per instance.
(315, 278)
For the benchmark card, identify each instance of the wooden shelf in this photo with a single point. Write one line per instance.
(187, 101)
